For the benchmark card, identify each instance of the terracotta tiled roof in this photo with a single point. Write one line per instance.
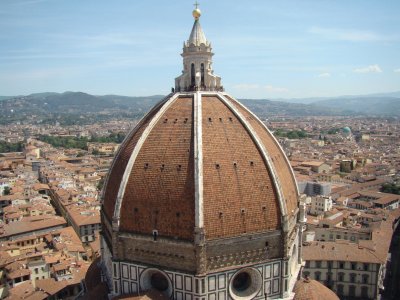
(240, 190)
(40, 186)
(308, 289)
(149, 295)
(368, 251)
(281, 164)
(26, 291)
(121, 160)
(30, 224)
(50, 285)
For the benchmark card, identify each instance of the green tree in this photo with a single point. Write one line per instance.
(100, 184)
(6, 190)
(391, 188)
(292, 135)
(333, 130)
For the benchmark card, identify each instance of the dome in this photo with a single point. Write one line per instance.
(200, 199)
(308, 289)
(346, 130)
(199, 159)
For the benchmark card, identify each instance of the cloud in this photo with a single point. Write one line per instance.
(254, 86)
(246, 86)
(322, 75)
(27, 2)
(41, 74)
(396, 70)
(369, 69)
(351, 35)
(275, 89)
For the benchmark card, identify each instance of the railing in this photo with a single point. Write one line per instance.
(202, 88)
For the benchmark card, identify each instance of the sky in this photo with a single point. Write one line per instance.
(263, 48)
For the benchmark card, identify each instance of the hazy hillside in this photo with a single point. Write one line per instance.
(365, 105)
(268, 108)
(317, 100)
(6, 97)
(75, 104)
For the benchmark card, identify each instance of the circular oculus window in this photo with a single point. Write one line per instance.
(157, 280)
(245, 284)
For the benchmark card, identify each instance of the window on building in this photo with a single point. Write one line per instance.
(36, 270)
(318, 264)
(202, 74)
(115, 270)
(330, 264)
(365, 278)
(353, 265)
(340, 276)
(340, 290)
(318, 276)
(338, 236)
(353, 277)
(366, 267)
(331, 236)
(364, 292)
(352, 291)
(307, 264)
(192, 76)
(341, 265)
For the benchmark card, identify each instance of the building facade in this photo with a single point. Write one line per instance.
(348, 278)
(320, 205)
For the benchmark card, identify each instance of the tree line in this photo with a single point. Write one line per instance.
(70, 142)
(6, 147)
(391, 188)
(292, 134)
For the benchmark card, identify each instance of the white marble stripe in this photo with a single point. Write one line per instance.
(136, 150)
(198, 160)
(125, 141)
(273, 137)
(264, 152)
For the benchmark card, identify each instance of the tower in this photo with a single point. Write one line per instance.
(200, 201)
(197, 74)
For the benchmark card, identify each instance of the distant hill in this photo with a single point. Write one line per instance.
(6, 97)
(372, 106)
(382, 104)
(267, 108)
(316, 100)
(76, 104)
